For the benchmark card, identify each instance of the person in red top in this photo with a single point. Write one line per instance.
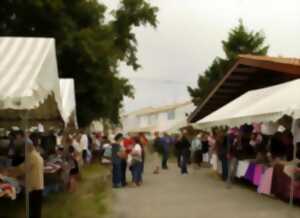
(128, 144)
(144, 144)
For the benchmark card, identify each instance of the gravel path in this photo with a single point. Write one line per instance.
(199, 194)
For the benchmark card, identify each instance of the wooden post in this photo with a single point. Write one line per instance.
(294, 123)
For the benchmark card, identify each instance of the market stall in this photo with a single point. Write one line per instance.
(267, 104)
(67, 92)
(262, 106)
(29, 85)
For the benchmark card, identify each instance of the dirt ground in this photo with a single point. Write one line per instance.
(199, 194)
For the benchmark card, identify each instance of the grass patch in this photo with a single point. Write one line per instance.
(89, 201)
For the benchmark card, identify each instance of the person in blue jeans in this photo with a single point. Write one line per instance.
(137, 163)
(117, 161)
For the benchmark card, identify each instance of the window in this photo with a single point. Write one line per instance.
(171, 115)
(153, 119)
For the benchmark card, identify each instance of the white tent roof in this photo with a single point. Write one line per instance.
(267, 104)
(178, 126)
(29, 80)
(67, 91)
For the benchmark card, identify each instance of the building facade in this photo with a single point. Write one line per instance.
(160, 119)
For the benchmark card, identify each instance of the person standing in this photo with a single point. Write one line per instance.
(196, 150)
(144, 143)
(74, 171)
(222, 150)
(127, 144)
(33, 168)
(157, 148)
(177, 146)
(184, 153)
(84, 145)
(137, 162)
(117, 155)
(166, 142)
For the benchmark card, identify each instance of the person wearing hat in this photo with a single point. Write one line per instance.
(33, 168)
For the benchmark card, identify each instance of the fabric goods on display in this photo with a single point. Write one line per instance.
(9, 187)
(67, 92)
(242, 168)
(266, 182)
(259, 170)
(269, 180)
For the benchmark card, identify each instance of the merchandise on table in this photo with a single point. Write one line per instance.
(9, 187)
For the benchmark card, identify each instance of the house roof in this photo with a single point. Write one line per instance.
(139, 112)
(153, 110)
(147, 129)
(249, 72)
(166, 108)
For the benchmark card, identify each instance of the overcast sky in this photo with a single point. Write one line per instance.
(188, 38)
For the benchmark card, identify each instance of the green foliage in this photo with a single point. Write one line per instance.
(89, 48)
(240, 41)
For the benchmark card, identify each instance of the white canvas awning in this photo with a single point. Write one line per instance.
(267, 104)
(67, 90)
(29, 81)
(178, 126)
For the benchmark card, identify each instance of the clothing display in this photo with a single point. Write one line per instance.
(266, 182)
(269, 128)
(259, 170)
(7, 190)
(269, 180)
(51, 168)
(214, 162)
(250, 172)
(242, 168)
(280, 183)
(9, 187)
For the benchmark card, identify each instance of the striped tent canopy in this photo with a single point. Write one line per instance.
(29, 82)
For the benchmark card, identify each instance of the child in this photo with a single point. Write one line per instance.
(74, 171)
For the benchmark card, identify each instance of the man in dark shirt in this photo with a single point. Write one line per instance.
(165, 143)
(116, 161)
(184, 153)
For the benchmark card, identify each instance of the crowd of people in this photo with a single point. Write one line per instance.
(51, 161)
(55, 159)
(125, 153)
(128, 153)
(188, 147)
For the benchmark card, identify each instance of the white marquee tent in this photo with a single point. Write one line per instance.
(262, 105)
(267, 104)
(67, 90)
(29, 84)
(29, 81)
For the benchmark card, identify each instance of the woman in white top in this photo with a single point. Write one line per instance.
(136, 163)
(196, 150)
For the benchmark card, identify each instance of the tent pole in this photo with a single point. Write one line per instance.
(25, 126)
(292, 187)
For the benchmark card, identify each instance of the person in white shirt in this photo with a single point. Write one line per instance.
(136, 163)
(196, 150)
(84, 146)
